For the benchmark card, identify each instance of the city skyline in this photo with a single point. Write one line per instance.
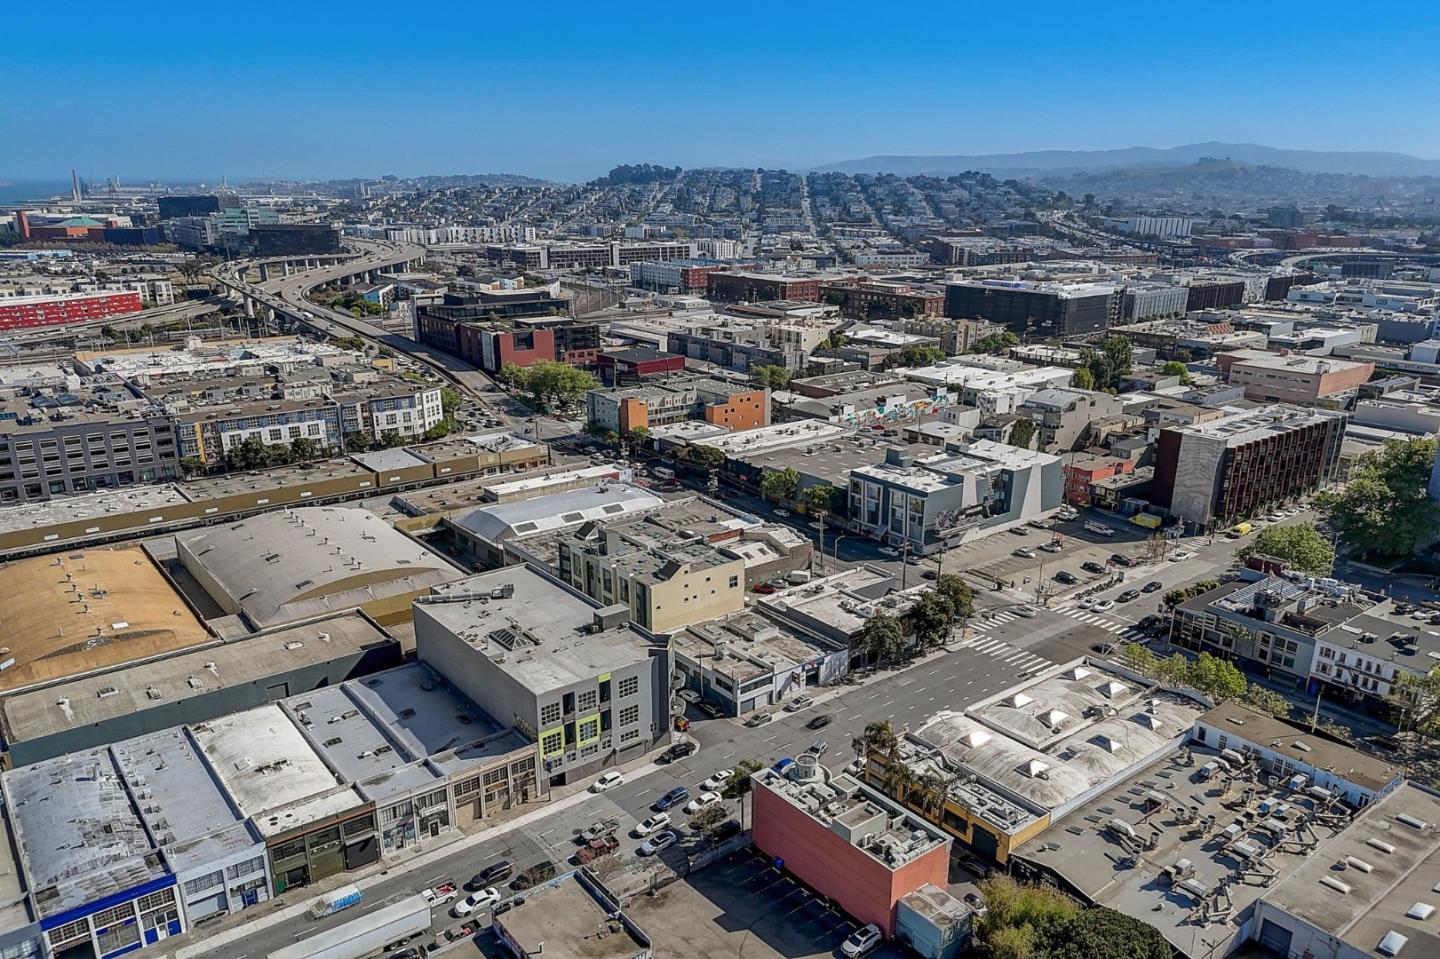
(316, 98)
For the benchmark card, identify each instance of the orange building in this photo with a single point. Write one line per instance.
(732, 405)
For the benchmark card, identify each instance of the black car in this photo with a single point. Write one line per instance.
(1090, 566)
(1128, 595)
(710, 709)
(1120, 559)
(1066, 577)
(678, 751)
(542, 871)
(491, 874)
(819, 722)
(728, 828)
(928, 574)
(1152, 586)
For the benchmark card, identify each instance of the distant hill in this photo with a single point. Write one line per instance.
(1064, 162)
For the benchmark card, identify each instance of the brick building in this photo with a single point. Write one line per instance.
(25, 312)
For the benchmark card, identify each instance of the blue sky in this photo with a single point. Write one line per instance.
(311, 89)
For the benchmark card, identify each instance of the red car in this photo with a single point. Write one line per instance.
(763, 588)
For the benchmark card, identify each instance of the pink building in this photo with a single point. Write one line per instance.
(846, 841)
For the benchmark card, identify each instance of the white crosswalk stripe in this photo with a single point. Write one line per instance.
(1020, 660)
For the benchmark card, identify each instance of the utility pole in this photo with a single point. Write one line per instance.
(1315, 716)
(904, 564)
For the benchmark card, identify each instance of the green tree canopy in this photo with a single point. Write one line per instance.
(1083, 379)
(930, 618)
(1103, 933)
(1110, 363)
(958, 594)
(919, 356)
(1385, 508)
(995, 342)
(1417, 697)
(1299, 544)
(780, 485)
(770, 376)
(1176, 368)
(704, 457)
(1216, 678)
(548, 380)
(822, 497)
(1022, 432)
(881, 637)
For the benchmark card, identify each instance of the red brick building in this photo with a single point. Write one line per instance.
(1082, 475)
(841, 840)
(619, 367)
(761, 287)
(25, 312)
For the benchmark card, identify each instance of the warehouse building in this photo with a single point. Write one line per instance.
(291, 565)
(219, 677)
(70, 614)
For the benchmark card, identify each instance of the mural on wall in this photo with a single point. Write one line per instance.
(898, 413)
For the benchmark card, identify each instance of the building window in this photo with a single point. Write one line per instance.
(245, 868)
(549, 714)
(200, 884)
(552, 744)
(631, 735)
(734, 582)
(630, 715)
(629, 686)
(586, 701)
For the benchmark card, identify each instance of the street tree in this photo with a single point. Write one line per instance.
(1104, 933)
(1265, 700)
(780, 485)
(930, 618)
(709, 820)
(882, 638)
(1216, 678)
(1417, 696)
(738, 786)
(1298, 544)
(960, 597)
(878, 736)
(919, 356)
(1385, 509)
(820, 498)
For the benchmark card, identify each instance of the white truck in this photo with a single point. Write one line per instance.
(369, 933)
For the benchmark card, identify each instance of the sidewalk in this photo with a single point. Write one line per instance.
(236, 927)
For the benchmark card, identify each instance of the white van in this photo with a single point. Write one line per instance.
(1099, 529)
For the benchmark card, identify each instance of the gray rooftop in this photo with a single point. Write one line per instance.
(381, 461)
(184, 807)
(293, 564)
(89, 506)
(169, 681)
(79, 836)
(558, 510)
(546, 642)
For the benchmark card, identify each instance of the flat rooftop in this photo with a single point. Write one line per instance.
(754, 646)
(1363, 769)
(572, 922)
(1399, 838)
(89, 506)
(767, 438)
(1166, 804)
(266, 764)
(77, 612)
(185, 808)
(116, 693)
(78, 834)
(533, 628)
(1253, 425)
(607, 500)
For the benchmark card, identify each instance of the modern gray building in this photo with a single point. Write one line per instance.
(589, 687)
(94, 437)
(939, 501)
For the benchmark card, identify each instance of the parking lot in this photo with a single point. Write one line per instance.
(741, 906)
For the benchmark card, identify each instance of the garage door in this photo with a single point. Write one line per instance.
(205, 907)
(1275, 938)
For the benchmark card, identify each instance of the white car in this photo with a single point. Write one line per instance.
(1051, 547)
(1086, 603)
(656, 843)
(1103, 605)
(861, 942)
(1180, 555)
(700, 802)
(798, 703)
(889, 551)
(652, 824)
(781, 512)
(1025, 552)
(606, 781)
(718, 779)
(689, 695)
(483, 899)
(1026, 611)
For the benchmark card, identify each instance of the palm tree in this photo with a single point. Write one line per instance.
(899, 777)
(931, 786)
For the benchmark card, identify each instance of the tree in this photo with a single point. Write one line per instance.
(450, 401)
(738, 786)
(1298, 544)
(1174, 670)
(919, 356)
(995, 342)
(1176, 368)
(1216, 678)
(1103, 933)
(879, 736)
(1083, 379)
(557, 381)
(930, 618)
(1022, 432)
(511, 374)
(304, 449)
(820, 498)
(704, 457)
(1110, 363)
(1020, 919)
(1384, 508)
(780, 485)
(958, 594)
(770, 376)
(709, 820)
(1417, 696)
(1139, 659)
(1157, 544)
(192, 465)
(1266, 701)
(881, 637)
(637, 436)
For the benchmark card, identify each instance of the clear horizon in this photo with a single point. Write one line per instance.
(272, 91)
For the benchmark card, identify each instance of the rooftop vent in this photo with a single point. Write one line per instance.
(975, 738)
(1018, 700)
(1381, 845)
(1421, 911)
